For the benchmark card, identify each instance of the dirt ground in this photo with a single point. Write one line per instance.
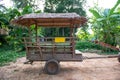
(98, 69)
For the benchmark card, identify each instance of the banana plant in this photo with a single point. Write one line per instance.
(6, 15)
(106, 24)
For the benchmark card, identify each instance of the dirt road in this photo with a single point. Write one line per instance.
(99, 69)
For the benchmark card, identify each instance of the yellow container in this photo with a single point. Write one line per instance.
(59, 39)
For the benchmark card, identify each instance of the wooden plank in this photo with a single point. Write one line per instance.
(59, 57)
(54, 24)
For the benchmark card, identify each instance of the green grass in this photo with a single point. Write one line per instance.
(8, 54)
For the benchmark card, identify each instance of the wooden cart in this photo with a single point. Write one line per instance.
(51, 49)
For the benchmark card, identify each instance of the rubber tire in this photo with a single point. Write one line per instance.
(119, 60)
(52, 67)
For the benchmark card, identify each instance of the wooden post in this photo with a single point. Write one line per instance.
(72, 41)
(72, 37)
(36, 32)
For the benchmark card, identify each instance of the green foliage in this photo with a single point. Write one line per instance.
(20, 4)
(104, 24)
(84, 34)
(15, 38)
(16, 33)
(27, 10)
(95, 13)
(55, 32)
(2, 8)
(63, 6)
(86, 45)
(5, 18)
(7, 54)
(113, 9)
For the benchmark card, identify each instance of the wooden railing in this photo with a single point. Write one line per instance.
(48, 44)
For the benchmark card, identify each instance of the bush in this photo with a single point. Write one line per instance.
(8, 54)
(87, 45)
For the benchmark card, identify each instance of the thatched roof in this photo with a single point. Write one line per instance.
(50, 19)
(51, 15)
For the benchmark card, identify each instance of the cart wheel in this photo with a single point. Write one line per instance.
(119, 57)
(52, 67)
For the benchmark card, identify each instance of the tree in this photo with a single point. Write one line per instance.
(20, 4)
(3, 23)
(106, 24)
(63, 6)
(15, 33)
(6, 15)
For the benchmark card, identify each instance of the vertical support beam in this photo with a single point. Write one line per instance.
(72, 41)
(72, 37)
(37, 42)
(26, 47)
(36, 31)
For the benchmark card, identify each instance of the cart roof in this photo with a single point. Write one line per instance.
(50, 19)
